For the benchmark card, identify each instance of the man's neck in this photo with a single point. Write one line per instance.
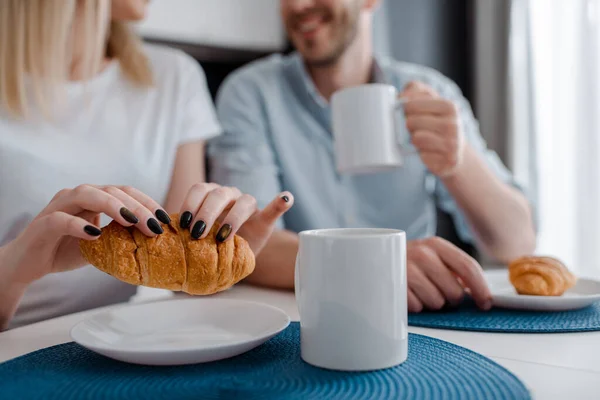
(354, 67)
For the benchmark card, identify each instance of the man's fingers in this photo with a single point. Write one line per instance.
(414, 304)
(443, 126)
(418, 89)
(427, 141)
(467, 269)
(437, 107)
(438, 273)
(422, 287)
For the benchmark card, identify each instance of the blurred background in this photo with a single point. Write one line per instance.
(531, 69)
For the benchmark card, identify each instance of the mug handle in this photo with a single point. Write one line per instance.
(399, 108)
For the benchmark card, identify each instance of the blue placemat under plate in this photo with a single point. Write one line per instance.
(434, 370)
(468, 318)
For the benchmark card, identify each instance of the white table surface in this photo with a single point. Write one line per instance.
(553, 366)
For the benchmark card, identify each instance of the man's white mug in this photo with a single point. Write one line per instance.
(367, 135)
(352, 298)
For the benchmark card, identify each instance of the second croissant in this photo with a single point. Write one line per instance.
(540, 276)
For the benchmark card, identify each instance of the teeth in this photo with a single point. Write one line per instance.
(310, 26)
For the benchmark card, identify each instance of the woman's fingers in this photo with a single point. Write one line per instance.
(276, 208)
(243, 209)
(148, 202)
(90, 198)
(194, 199)
(126, 205)
(215, 203)
(57, 224)
(136, 212)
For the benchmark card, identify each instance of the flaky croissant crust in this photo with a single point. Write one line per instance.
(172, 260)
(540, 276)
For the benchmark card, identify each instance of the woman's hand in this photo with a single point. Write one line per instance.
(50, 242)
(234, 212)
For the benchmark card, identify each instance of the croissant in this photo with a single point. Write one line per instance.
(172, 260)
(540, 276)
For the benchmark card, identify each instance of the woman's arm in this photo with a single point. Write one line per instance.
(188, 170)
(11, 290)
(276, 262)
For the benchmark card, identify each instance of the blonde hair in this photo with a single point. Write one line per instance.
(36, 39)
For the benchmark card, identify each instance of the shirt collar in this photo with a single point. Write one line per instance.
(377, 76)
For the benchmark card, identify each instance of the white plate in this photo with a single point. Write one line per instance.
(583, 294)
(177, 332)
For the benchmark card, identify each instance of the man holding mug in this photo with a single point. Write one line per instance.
(277, 120)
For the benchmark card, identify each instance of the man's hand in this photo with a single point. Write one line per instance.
(434, 127)
(439, 273)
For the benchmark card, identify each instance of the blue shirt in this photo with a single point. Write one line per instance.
(277, 136)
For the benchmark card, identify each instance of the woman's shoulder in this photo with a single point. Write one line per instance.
(168, 63)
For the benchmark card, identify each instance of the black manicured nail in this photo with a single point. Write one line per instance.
(92, 230)
(155, 226)
(163, 217)
(198, 229)
(185, 220)
(128, 216)
(286, 199)
(223, 233)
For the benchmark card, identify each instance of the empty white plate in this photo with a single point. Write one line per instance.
(583, 294)
(177, 332)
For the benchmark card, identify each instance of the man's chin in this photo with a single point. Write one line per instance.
(319, 60)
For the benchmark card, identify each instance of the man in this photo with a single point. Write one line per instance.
(277, 121)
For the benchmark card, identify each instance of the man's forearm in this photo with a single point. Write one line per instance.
(500, 215)
(275, 263)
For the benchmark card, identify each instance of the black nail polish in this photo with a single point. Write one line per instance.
(286, 199)
(223, 233)
(155, 226)
(163, 217)
(198, 229)
(128, 216)
(186, 220)
(92, 230)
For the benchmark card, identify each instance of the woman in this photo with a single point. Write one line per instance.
(92, 122)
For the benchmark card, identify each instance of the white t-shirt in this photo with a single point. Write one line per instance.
(109, 132)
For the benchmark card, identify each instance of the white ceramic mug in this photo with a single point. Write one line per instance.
(352, 298)
(368, 136)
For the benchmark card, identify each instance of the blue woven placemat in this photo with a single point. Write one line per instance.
(434, 370)
(468, 318)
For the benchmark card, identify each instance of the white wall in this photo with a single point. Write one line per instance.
(237, 24)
